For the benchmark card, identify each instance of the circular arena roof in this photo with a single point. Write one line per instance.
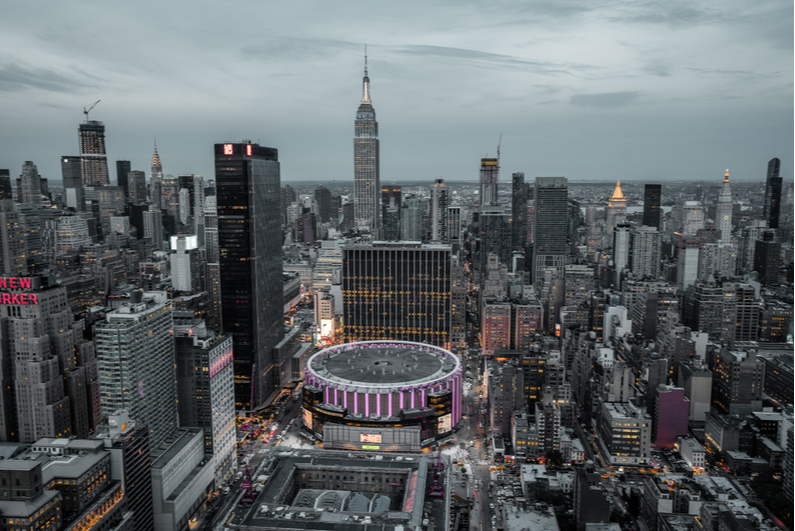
(383, 363)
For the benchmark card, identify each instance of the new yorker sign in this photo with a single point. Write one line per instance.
(19, 283)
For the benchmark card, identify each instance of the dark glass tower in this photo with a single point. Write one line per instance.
(5, 185)
(772, 205)
(123, 167)
(518, 213)
(248, 192)
(72, 172)
(651, 205)
(550, 227)
(92, 154)
(366, 167)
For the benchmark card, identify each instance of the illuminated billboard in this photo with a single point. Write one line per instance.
(308, 419)
(370, 438)
(445, 423)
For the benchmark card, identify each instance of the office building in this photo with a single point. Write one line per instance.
(93, 161)
(767, 258)
(153, 228)
(693, 218)
(123, 167)
(518, 212)
(135, 355)
(551, 215)
(28, 501)
(366, 161)
(398, 290)
(72, 234)
(72, 172)
(248, 194)
(127, 440)
(723, 210)
(323, 199)
(738, 382)
(772, 205)
(439, 203)
(212, 277)
(652, 194)
(30, 191)
(136, 186)
(670, 415)
(687, 261)
(206, 390)
(644, 252)
(454, 224)
(621, 251)
(185, 261)
(625, 434)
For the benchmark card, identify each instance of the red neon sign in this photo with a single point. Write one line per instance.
(17, 298)
(229, 149)
(248, 150)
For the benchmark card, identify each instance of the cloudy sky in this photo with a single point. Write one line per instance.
(608, 89)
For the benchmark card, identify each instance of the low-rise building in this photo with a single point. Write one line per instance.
(625, 434)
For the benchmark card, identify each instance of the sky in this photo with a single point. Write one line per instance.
(632, 90)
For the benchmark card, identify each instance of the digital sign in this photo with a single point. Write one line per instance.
(445, 423)
(229, 149)
(370, 447)
(308, 419)
(370, 438)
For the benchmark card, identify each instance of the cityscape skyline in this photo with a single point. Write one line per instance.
(675, 92)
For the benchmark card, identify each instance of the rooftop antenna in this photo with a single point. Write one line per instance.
(498, 149)
(86, 111)
(365, 60)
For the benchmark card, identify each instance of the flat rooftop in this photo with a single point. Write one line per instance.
(383, 363)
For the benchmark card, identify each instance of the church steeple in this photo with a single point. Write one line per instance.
(365, 80)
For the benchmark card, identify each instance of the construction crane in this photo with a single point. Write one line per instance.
(86, 111)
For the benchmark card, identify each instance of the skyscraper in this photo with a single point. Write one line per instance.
(616, 210)
(31, 184)
(390, 211)
(123, 167)
(652, 194)
(489, 182)
(323, 198)
(518, 212)
(93, 161)
(439, 201)
(248, 194)
(135, 355)
(551, 214)
(366, 167)
(723, 211)
(772, 206)
(136, 186)
(156, 179)
(5, 185)
(72, 172)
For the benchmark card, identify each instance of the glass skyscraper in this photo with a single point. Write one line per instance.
(651, 205)
(551, 213)
(248, 194)
(772, 206)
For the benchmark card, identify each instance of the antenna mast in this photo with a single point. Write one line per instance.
(498, 150)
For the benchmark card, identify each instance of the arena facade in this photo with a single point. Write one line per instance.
(382, 395)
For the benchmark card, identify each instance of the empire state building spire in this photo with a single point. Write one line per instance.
(365, 81)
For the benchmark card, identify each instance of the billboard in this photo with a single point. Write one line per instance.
(370, 438)
(308, 419)
(445, 423)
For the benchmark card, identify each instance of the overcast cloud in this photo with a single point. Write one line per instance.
(631, 90)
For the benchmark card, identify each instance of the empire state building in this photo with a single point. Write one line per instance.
(366, 176)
